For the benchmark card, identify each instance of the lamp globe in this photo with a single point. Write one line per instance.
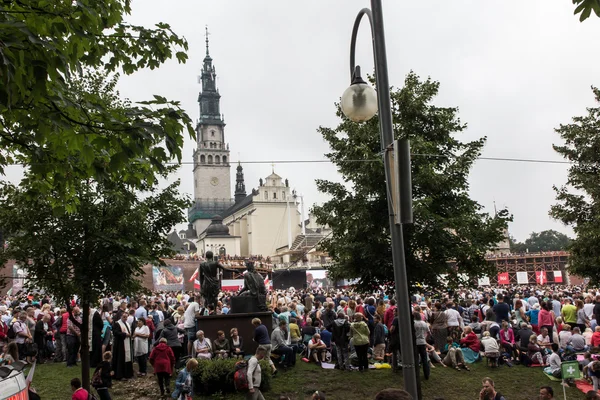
(359, 101)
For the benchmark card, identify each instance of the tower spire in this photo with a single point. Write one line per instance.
(240, 186)
(206, 33)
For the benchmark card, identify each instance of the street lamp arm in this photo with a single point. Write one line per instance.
(361, 13)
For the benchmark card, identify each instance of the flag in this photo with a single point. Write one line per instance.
(540, 277)
(267, 282)
(30, 374)
(195, 279)
(503, 278)
(558, 277)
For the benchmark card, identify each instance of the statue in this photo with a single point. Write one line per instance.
(209, 276)
(254, 286)
(260, 182)
(287, 184)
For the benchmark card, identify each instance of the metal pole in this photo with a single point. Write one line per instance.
(397, 241)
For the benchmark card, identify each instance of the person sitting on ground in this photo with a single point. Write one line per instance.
(454, 356)
(202, 346)
(544, 340)
(476, 326)
(592, 371)
(318, 396)
(184, 384)
(587, 334)
(393, 394)
(595, 342)
(546, 393)
(491, 349)
(507, 340)
(576, 341)
(535, 352)
(11, 354)
(236, 344)
(79, 393)
(470, 345)
(295, 334)
(554, 362)
(317, 349)
(564, 336)
(433, 356)
(489, 390)
(524, 336)
(220, 346)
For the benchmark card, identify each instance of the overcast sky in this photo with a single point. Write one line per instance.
(515, 69)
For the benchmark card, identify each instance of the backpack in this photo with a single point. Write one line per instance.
(97, 378)
(11, 332)
(240, 376)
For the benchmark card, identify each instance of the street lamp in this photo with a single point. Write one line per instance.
(357, 107)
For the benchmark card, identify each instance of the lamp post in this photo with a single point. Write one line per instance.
(359, 103)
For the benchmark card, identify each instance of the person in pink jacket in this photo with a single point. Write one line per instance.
(507, 340)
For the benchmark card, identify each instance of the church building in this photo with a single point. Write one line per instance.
(254, 224)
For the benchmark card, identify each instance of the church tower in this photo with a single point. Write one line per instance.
(240, 186)
(212, 184)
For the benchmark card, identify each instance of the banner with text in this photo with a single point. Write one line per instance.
(503, 278)
(485, 281)
(522, 278)
(167, 278)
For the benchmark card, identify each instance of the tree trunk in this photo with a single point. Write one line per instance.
(85, 346)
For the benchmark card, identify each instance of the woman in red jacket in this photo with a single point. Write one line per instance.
(470, 345)
(162, 360)
(507, 340)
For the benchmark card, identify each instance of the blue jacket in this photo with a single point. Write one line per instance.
(181, 378)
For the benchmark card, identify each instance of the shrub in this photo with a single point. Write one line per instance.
(213, 376)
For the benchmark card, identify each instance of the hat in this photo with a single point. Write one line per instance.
(536, 306)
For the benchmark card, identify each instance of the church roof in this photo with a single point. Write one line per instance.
(245, 202)
(273, 176)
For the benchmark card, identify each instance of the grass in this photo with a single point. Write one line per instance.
(517, 383)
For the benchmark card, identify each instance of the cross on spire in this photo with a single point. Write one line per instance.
(273, 168)
(206, 33)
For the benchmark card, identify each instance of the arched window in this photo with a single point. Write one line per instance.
(210, 160)
(274, 195)
(224, 159)
(202, 159)
(283, 195)
(266, 195)
(217, 160)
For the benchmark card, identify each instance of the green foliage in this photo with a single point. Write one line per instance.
(46, 122)
(448, 225)
(585, 7)
(213, 376)
(579, 200)
(548, 240)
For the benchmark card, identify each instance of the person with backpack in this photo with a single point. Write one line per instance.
(254, 375)
(102, 378)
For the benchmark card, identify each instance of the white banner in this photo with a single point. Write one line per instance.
(485, 281)
(522, 278)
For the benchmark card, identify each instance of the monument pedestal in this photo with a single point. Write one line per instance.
(211, 324)
(244, 305)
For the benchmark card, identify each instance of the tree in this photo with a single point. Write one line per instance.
(579, 200)
(45, 125)
(98, 249)
(448, 225)
(548, 240)
(585, 7)
(119, 224)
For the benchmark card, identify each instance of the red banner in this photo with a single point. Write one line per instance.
(540, 277)
(503, 278)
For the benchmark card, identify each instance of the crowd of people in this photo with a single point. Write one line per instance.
(516, 325)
